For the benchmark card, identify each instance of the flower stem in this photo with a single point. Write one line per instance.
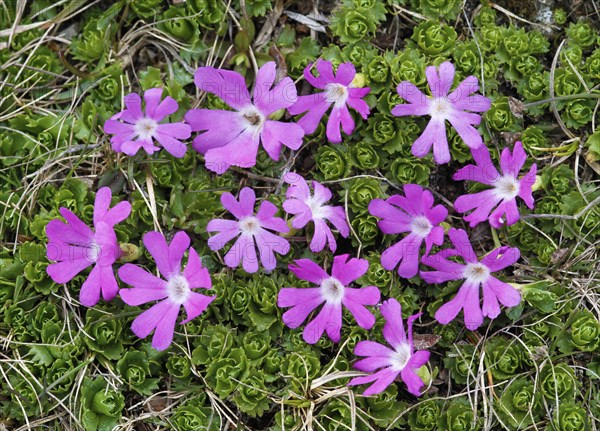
(495, 238)
(561, 98)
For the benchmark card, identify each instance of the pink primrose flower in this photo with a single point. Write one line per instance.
(476, 274)
(442, 106)
(386, 364)
(413, 213)
(337, 92)
(252, 231)
(172, 291)
(504, 191)
(233, 137)
(307, 207)
(132, 129)
(75, 246)
(333, 292)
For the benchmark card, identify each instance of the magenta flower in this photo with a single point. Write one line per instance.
(441, 107)
(307, 207)
(506, 187)
(173, 291)
(233, 137)
(251, 230)
(476, 273)
(400, 359)
(334, 292)
(412, 213)
(75, 246)
(136, 130)
(338, 92)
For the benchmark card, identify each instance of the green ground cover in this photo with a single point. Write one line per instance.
(64, 70)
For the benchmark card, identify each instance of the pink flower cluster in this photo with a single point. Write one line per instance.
(232, 137)
(75, 246)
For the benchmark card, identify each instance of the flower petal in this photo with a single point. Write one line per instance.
(372, 348)
(447, 312)
(469, 134)
(167, 107)
(302, 301)
(506, 214)
(382, 378)
(440, 79)
(196, 275)
(228, 85)
(333, 132)
(163, 336)
(412, 381)
(329, 319)
(506, 294)
(241, 151)
(269, 244)
(358, 105)
(152, 98)
(133, 104)
(62, 272)
(393, 330)
(472, 307)
(410, 92)
(140, 279)
(195, 305)
(501, 258)
(511, 164)
(89, 295)
(145, 323)
(347, 269)
(483, 202)
(228, 229)
(306, 269)
(173, 146)
(276, 133)
(345, 73)
(315, 106)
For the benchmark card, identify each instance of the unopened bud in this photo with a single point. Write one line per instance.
(277, 115)
(129, 252)
(538, 183)
(359, 81)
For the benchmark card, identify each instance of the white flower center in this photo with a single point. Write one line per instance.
(421, 226)
(507, 187)
(332, 290)
(476, 273)
(178, 289)
(316, 207)
(440, 108)
(400, 357)
(145, 128)
(336, 93)
(249, 225)
(254, 119)
(93, 252)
